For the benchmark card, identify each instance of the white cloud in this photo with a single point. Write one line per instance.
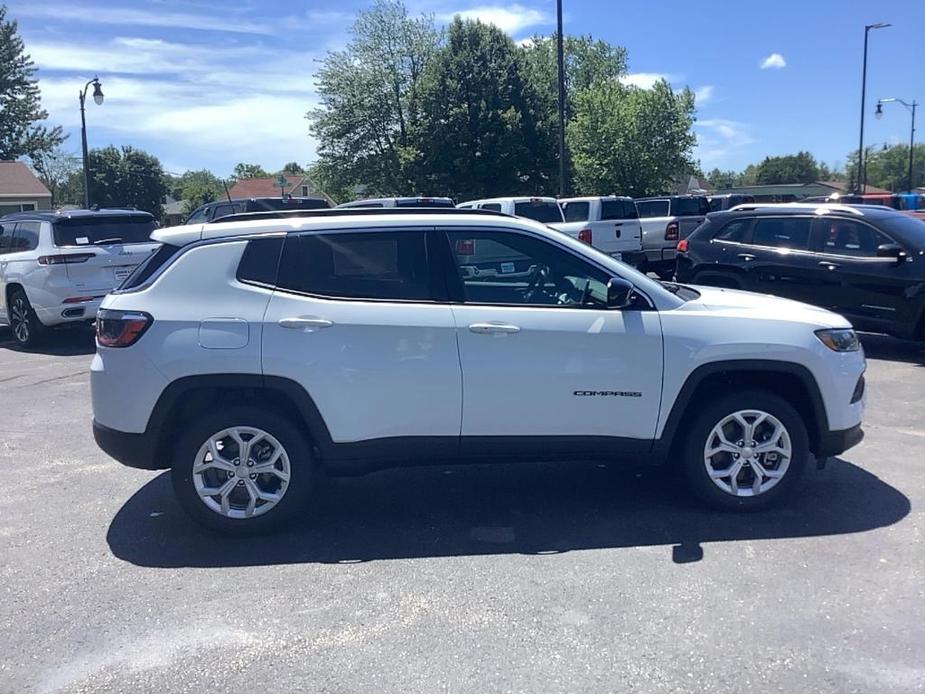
(126, 16)
(644, 80)
(718, 139)
(509, 18)
(703, 94)
(775, 61)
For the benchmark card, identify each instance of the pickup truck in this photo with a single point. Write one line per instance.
(665, 221)
(539, 209)
(610, 224)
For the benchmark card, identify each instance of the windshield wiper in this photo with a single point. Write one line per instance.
(103, 242)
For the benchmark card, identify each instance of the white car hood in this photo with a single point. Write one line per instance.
(737, 302)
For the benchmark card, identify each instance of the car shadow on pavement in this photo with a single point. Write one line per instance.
(893, 349)
(63, 342)
(502, 509)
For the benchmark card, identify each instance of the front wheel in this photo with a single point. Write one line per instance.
(242, 471)
(746, 451)
(25, 325)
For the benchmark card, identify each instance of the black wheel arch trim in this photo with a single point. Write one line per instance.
(817, 435)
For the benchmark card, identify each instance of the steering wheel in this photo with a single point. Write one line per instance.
(538, 275)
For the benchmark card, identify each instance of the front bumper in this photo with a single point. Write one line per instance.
(133, 450)
(837, 442)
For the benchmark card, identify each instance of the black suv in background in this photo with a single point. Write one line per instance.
(400, 202)
(222, 208)
(866, 262)
(727, 201)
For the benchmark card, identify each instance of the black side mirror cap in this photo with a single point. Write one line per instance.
(891, 250)
(619, 293)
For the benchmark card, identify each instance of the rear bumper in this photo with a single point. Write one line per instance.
(68, 313)
(133, 450)
(837, 442)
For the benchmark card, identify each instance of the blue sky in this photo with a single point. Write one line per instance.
(207, 84)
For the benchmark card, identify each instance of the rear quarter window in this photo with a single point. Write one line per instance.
(736, 231)
(146, 270)
(576, 211)
(260, 261)
(619, 209)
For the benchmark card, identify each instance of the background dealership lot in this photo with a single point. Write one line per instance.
(520, 578)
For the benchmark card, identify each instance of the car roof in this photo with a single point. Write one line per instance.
(55, 215)
(514, 198)
(411, 198)
(596, 197)
(669, 197)
(334, 219)
(871, 211)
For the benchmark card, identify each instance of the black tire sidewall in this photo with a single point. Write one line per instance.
(293, 441)
(35, 326)
(692, 459)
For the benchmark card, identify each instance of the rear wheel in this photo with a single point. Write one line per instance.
(26, 328)
(242, 471)
(746, 451)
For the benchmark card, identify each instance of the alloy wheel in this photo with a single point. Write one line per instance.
(19, 320)
(747, 453)
(241, 472)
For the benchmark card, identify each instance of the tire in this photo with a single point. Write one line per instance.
(780, 424)
(268, 432)
(25, 326)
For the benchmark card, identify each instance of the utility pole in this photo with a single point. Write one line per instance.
(561, 63)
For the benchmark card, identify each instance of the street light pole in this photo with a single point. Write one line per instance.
(911, 107)
(561, 63)
(98, 98)
(862, 174)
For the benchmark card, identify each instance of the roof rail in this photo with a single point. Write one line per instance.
(820, 207)
(354, 212)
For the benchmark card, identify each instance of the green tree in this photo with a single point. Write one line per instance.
(20, 102)
(369, 99)
(724, 179)
(631, 141)
(792, 168)
(889, 168)
(478, 134)
(199, 187)
(126, 177)
(293, 168)
(243, 170)
(55, 169)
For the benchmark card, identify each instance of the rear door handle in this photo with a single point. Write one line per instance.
(747, 257)
(829, 266)
(487, 328)
(304, 322)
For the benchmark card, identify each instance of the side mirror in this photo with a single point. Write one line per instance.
(891, 250)
(619, 293)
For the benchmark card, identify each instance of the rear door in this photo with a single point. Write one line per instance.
(111, 247)
(6, 240)
(358, 321)
(869, 290)
(778, 260)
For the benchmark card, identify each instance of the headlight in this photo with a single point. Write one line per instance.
(839, 339)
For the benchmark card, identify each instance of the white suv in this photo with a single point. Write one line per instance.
(252, 354)
(55, 268)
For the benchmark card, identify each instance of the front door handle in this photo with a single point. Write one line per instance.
(305, 323)
(747, 257)
(487, 328)
(829, 266)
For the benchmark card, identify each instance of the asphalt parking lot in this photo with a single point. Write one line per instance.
(508, 578)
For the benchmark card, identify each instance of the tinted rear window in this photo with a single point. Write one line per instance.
(87, 231)
(154, 262)
(541, 211)
(576, 211)
(425, 202)
(260, 260)
(619, 209)
(689, 207)
(652, 208)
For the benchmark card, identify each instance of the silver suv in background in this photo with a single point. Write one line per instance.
(56, 267)
(665, 221)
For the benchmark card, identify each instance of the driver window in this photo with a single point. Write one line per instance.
(511, 268)
(847, 237)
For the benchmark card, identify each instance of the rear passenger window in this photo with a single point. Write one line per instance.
(782, 232)
(367, 265)
(576, 211)
(260, 261)
(618, 209)
(736, 231)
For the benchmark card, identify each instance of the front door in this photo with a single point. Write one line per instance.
(870, 291)
(542, 357)
(354, 320)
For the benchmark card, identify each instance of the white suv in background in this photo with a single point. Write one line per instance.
(540, 209)
(55, 268)
(251, 354)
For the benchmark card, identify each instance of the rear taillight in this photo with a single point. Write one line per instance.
(65, 258)
(682, 246)
(585, 236)
(120, 328)
(672, 232)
